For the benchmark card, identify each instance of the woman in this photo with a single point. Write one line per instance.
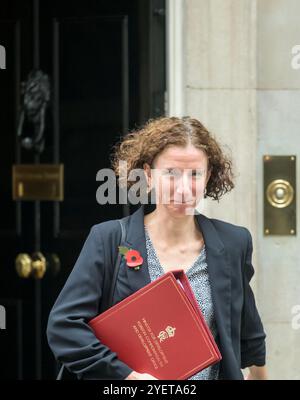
(182, 163)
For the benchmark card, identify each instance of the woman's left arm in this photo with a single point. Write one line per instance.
(253, 347)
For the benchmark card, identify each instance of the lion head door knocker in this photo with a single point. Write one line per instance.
(36, 96)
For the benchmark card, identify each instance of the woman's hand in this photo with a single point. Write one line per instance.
(137, 376)
(257, 373)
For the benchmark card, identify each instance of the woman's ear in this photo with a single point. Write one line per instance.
(147, 171)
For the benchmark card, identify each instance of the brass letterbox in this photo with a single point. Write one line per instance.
(38, 182)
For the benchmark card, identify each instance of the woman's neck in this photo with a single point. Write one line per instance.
(172, 229)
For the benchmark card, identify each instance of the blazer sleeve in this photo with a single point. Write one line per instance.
(253, 347)
(70, 338)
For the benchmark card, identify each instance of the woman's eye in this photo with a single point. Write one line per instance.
(197, 174)
(172, 172)
(177, 173)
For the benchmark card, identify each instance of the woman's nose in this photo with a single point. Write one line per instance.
(183, 188)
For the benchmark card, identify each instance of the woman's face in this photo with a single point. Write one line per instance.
(179, 176)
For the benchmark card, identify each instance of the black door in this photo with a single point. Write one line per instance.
(105, 65)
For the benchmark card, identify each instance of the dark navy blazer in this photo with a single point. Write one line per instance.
(241, 337)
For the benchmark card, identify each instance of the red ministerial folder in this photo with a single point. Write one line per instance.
(159, 329)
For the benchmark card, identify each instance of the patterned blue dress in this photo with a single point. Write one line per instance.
(199, 281)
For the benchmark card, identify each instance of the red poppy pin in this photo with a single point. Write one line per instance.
(133, 257)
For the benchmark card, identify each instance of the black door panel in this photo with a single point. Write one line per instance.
(106, 65)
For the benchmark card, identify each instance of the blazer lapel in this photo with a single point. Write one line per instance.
(219, 276)
(136, 240)
(218, 266)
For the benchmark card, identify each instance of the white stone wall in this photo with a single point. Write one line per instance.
(239, 82)
(220, 79)
(278, 132)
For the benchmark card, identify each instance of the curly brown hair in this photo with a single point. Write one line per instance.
(142, 146)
